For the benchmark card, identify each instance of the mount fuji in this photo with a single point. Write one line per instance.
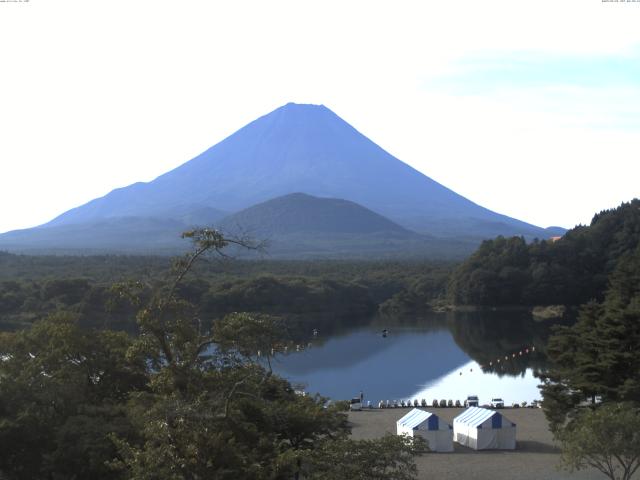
(297, 148)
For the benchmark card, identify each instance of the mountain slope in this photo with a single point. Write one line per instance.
(302, 213)
(293, 226)
(302, 226)
(303, 148)
(120, 235)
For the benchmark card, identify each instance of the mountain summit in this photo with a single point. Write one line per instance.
(298, 148)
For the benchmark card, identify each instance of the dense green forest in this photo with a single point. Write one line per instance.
(570, 271)
(591, 386)
(32, 287)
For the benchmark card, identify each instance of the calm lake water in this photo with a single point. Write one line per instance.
(434, 357)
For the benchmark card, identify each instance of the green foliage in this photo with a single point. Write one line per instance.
(598, 355)
(239, 423)
(422, 293)
(269, 294)
(33, 287)
(61, 389)
(571, 271)
(606, 438)
(388, 458)
(252, 336)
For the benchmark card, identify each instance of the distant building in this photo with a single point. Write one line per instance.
(554, 239)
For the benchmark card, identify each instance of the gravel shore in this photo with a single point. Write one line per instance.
(536, 456)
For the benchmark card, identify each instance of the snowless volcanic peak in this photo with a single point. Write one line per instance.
(308, 149)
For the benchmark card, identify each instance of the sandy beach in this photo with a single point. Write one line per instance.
(536, 456)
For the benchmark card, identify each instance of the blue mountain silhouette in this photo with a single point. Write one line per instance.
(295, 148)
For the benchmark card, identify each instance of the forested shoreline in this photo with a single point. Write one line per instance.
(33, 287)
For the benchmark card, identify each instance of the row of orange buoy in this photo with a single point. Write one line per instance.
(513, 355)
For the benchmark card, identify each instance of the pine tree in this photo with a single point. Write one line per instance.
(598, 355)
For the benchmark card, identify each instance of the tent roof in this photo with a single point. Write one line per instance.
(414, 418)
(476, 416)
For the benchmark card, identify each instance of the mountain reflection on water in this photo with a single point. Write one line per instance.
(437, 356)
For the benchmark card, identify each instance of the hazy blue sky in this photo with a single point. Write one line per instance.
(531, 108)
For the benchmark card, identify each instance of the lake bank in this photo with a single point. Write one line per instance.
(536, 456)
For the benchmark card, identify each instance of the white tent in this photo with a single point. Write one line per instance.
(439, 434)
(483, 429)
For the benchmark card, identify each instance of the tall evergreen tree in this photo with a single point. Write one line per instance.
(598, 355)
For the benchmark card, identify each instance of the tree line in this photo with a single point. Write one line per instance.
(33, 287)
(569, 271)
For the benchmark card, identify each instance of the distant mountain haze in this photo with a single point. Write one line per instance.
(295, 148)
(132, 235)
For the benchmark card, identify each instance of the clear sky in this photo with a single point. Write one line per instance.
(531, 109)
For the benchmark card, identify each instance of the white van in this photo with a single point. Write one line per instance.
(356, 404)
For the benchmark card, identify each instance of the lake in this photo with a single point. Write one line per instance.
(438, 356)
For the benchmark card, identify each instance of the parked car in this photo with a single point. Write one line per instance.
(472, 401)
(497, 403)
(355, 404)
